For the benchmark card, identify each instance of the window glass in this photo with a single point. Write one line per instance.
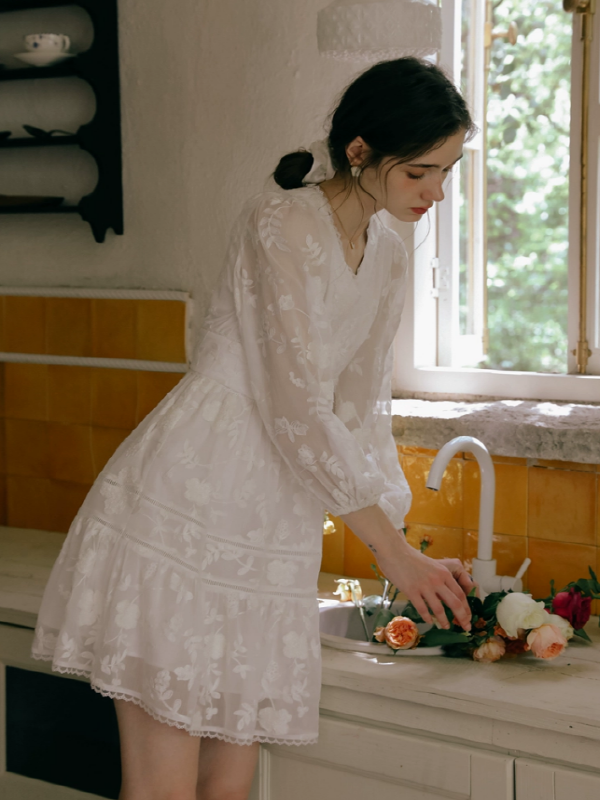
(528, 116)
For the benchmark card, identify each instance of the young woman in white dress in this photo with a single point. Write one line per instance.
(186, 587)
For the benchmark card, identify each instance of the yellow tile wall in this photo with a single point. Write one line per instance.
(547, 510)
(59, 425)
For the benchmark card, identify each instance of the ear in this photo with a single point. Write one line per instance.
(356, 151)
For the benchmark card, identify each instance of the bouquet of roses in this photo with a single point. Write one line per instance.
(504, 624)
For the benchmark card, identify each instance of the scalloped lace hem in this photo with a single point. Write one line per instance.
(210, 734)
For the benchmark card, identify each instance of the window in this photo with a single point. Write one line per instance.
(493, 306)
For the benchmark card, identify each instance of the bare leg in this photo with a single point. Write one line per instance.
(158, 761)
(225, 770)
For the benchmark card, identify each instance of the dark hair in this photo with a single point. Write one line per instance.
(401, 108)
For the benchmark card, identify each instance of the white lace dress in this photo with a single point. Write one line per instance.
(187, 581)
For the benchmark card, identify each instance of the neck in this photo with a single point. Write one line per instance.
(353, 207)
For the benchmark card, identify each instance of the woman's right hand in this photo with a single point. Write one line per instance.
(426, 582)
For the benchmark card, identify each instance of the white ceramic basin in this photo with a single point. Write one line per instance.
(341, 628)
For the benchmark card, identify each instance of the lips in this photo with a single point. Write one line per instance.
(419, 210)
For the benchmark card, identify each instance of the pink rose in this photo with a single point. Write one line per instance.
(547, 641)
(491, 650)
(401, 633)
(572, 605)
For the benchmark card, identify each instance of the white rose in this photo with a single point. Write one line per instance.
(518, 610)
(563, 625)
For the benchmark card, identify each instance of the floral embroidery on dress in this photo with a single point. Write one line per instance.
(187, 582)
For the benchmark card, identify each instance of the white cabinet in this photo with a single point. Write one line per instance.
(535, 780)
(356, 761)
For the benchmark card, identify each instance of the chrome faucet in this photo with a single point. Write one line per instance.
(484, 566)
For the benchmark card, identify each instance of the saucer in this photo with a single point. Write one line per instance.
(43, 58)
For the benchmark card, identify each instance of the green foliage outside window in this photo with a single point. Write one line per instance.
(528, 168)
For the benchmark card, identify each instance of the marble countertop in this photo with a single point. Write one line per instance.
(561, 695)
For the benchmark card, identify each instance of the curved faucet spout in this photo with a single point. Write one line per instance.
(488, 485)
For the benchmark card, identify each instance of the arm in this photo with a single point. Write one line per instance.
(364, 395)
(287, 339)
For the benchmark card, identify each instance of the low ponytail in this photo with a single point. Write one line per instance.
(293, 168)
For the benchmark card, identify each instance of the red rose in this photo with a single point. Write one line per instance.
(572, 605)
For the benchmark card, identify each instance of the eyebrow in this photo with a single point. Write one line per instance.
(434, 166)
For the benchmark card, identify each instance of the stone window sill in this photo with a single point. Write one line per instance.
(518, 428)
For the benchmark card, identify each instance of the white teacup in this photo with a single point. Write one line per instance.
(49, 42)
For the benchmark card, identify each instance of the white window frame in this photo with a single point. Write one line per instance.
(428, 338)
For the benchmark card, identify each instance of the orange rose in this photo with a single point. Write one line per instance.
(401, 633)
(379, 634)
(491, 650)
(547, 641)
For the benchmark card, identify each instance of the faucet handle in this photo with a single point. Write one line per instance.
(518, 576)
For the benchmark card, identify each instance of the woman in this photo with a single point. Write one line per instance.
(186, 587)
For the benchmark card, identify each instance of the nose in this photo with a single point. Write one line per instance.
(434, 192)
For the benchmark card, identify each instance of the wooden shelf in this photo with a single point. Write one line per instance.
(41, 210)
(63, 70)
(101, 137)
(33, 141)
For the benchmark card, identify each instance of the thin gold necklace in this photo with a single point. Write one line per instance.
(350, 241)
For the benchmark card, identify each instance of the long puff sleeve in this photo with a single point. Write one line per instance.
(287, 337)
(363, 393)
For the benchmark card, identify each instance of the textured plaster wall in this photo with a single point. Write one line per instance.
(213, 93)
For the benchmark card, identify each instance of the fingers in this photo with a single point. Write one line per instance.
(421, 608)
(466, 582)
(437, 609)
(458, 605)
(459, 573)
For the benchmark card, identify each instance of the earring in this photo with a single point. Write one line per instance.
(355, 171)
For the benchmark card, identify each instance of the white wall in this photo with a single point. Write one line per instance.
(213, 93)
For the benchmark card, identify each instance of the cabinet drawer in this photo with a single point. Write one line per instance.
(535, 780)
(355, 761)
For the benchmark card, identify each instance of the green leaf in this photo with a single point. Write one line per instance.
(438, 636)
(595, 580)
(458, 650)
(383, 617)
(490, 604)
(583, 634)
(476, 606)
(411, 612)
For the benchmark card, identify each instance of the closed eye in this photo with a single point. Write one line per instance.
(415, 177)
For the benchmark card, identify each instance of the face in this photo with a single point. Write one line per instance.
(408, 190)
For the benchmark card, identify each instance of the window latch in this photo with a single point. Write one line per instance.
(440, 278)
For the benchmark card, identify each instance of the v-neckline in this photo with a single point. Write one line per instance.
(329, 213)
